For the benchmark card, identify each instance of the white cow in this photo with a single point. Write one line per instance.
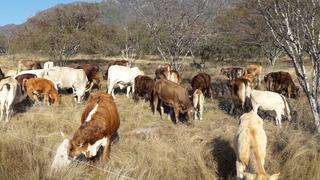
(251, 143)
(66, 78)
(269, 101)
(122, 76)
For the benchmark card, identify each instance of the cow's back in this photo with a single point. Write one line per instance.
(67, 77)
(201, 81)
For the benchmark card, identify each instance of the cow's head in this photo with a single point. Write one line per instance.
(77, 148)
(79, 93)
(55, 98)
(295, 92)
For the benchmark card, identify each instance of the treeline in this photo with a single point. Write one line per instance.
(234, 31)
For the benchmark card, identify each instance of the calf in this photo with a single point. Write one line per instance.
(173, 95)
(39, 86)
(99, 122)
(120, 63)
(250, 143)
(198, 102)
(232, 72)
(202, 81)
(143, 87)
(92, 72)
(281, 82)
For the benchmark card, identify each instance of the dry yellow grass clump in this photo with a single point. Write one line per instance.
(203, 150)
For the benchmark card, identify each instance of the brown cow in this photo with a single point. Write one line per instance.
(173, 95)
(92, 72)
(202, 81)
(281, 82)
(99, 122)
(40, 86)
(232, 72)
(255, 70)
(143, 87)
(21, 77)
(165, 72)
(120, 63)
(239, 87)
(28, 65)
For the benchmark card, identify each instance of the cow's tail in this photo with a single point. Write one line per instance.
(286, 107)
(256, 154)
(24, 85)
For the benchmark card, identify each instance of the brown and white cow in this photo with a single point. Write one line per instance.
(232, 72)
(143, 87)
(172, 95)
(281, 82)
(92, 72)
(28, 65)
(255, 70)
(99, 122)
(165, 72)
(250, 142)
(40, 86)
(119, 62)
(202, 81)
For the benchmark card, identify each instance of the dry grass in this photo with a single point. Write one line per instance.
(203, 150)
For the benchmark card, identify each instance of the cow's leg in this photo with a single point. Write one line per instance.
(46, 99)
(110, 89)
(35, 97)
(278, 118)
(240, 169)
(289, 91)
(9, 110)
(155, 104)
(176, 114)
(97, 79)
(106, 150)
(128, 91)
(161, 109)
(201, 110)
(1, 111)
(195, 114)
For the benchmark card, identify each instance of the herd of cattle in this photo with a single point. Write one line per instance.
(100, 119)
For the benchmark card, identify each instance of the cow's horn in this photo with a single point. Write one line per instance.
(63, 135)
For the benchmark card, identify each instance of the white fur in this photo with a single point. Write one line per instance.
(61, 159)
(89, 117)
(198, 102)
(122, 76)
(7, 97)
(93, 149)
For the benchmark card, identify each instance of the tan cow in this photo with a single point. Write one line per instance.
(255, 70)
(198, 102)
(165, 72)
(250, 143)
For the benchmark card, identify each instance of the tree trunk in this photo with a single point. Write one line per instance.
(315, 111)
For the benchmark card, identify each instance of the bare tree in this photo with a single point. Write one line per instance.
(176, 26)
(295, 26)
(272, 51)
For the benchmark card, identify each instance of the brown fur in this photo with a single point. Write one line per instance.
(104, 123)
(165, 72)
(238, 86)
(281, 82)
(120, 63)
(39, 86)
(143, 87)
(232, 72)
(28, 65)
(174, 96)
(254, 70)
(92, 72)
(202, 81)
(21, 77)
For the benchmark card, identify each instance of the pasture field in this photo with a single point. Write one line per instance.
(202, 150)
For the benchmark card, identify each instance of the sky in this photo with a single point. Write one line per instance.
(18, 11)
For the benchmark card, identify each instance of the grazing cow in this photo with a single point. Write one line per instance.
(239, 88)
(143, 87)
(198, 102)
(99, 123)
(173, 95)
(92, 72)
(281, 82)
(232, 72)
(120, 63)
(8, 91)
(65, 78)
(28, 65)
(39, 86)
(255, 70)
(123, 77)
(1, 74)
(165, 72)
(251, 143)
(202, 81)
(269, 101)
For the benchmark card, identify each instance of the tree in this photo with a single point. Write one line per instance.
(176, 26)
(295, 26)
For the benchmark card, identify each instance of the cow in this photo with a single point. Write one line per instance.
(143, 87)
(99, 123)
(8, 91)
(255, 70)
(269, 101)
(281, 82)
(1, 74)
(65, 78)
(165, 72)
(174, 96)
(239, 87)
(198, 102)
(21, 77)
(119, 62)
(92, 72)
(122, 76)
(250, 142)
(39, 86)
(232, 72)
(28, 65)
(202, 81)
